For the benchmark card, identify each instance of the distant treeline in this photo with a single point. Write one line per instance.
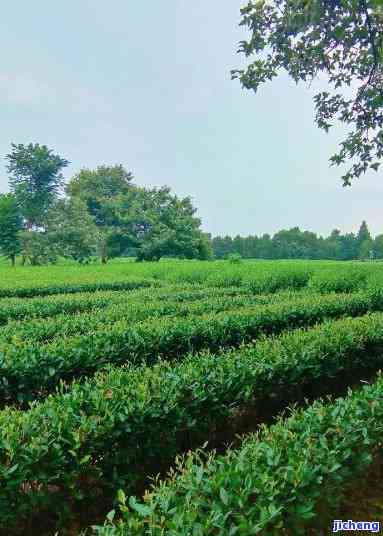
(296, 244)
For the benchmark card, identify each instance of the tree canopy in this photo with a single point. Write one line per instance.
(296, 244)
(102, 212)
(341, 39)
(99, 188)
(10, 227)
(164, 225)
(35, 180)
(72, 229)
(152, 221)
(107, 193)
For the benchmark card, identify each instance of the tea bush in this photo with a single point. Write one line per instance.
(283, 480)
(125, 423)
(107, 373)
(108, 310)
(31, 371)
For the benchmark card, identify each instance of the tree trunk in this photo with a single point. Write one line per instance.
(104, 254)
(13, 260)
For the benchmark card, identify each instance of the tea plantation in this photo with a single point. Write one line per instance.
(187, 397)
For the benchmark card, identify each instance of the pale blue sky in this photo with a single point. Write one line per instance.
(147, 84)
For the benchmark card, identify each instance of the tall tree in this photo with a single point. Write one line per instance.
(364, 242)
(11, 224)
(161, 224)
(222, 246)
(333, 245)
(341, 39)
(35, 180)
(294, 244)
(363, 233)
(153, 221)
(100, 186)
(265, 247)
(366, 250)
(72, 229)
(349, 247)
(38, 248)
(107, 192)
(378, 247)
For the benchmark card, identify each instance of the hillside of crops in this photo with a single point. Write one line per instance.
(188, 397)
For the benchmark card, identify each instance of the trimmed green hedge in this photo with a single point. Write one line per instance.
(29, 292)
(30, 371)
(288, 477)
(110, 432)
(39, 281)
(349, 279)
(129, 309)
(16, 309)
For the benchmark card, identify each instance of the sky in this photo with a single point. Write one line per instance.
(147, 84)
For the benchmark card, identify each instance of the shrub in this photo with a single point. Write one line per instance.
(285, 479)
(126, 423)
(29, 372)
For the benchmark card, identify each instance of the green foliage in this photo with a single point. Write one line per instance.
(72, 229)
(96, 186)
(284, 479)
(204, 247)
(153, 221)
(293, 278)
(364, 242)
(340, 39)
(363, 233)
(366, 250)
(38, 247)
(107, 193)
(261, 277)
(133, 308)
(104, 213)
(234, 258)
(47, 290)
(35, 180)
(175, 354)
(146, 413)
(346, 280)
(166, 227)
(378, 247)
(296, 244)
(30, 370)
(94, 300)
(10, 226)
